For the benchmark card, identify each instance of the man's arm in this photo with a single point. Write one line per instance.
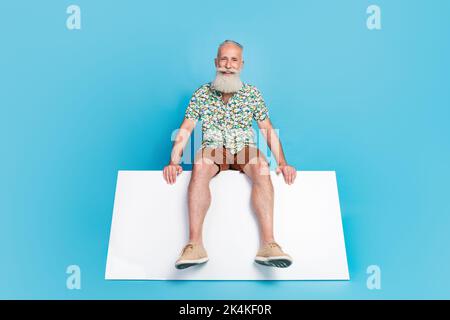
(181, 139)
(171, 171)
(274, 143)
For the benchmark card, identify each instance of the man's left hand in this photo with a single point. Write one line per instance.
(289, 173)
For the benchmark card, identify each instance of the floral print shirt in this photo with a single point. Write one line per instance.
(228, 125)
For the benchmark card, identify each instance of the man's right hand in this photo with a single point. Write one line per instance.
(171, 171)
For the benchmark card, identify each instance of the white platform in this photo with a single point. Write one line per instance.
(150, 227)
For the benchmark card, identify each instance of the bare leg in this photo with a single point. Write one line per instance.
(199, 196)
(262, 196)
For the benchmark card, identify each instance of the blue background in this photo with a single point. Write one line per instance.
(77, 106)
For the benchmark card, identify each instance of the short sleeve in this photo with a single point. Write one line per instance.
(193, 108)
(260, 111)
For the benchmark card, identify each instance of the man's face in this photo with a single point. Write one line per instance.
(229, 60)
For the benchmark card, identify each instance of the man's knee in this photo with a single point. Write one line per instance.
(204, 169)
(259, 169)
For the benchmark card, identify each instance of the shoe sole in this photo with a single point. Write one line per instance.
(183, 264)
(279, 262)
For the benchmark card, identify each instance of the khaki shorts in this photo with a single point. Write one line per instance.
(225, 160)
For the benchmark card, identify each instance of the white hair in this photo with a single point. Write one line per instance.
(232, 42)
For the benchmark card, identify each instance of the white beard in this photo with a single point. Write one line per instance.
(227, 84)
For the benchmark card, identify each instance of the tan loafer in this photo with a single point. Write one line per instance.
(191, 255)
(272, 255)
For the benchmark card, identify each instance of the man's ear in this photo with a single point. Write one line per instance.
(242, 67)
(215, 62)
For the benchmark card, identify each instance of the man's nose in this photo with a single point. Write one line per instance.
(228, 65)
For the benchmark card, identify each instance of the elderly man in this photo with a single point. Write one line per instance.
(226, 107)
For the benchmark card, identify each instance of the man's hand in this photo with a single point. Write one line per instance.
(289, 173)
(171, 171)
